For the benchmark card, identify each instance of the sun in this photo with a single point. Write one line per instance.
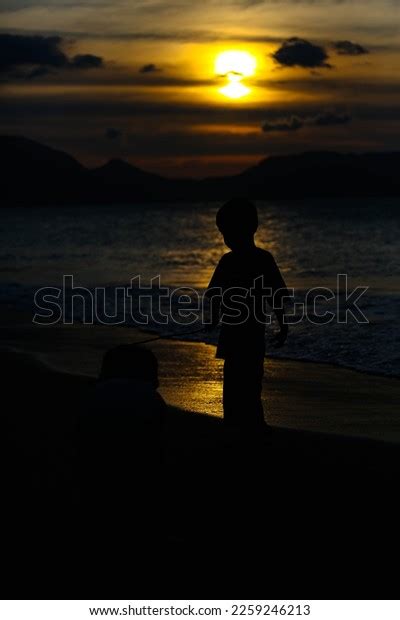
(235, 66)
(238, 63)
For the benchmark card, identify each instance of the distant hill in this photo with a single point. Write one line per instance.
(120, 181)
(32, 172)
(37, 174)
(324, 174)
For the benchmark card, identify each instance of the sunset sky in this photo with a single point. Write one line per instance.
(137, 79)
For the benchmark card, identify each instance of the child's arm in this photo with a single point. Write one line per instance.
(280, 338)
(213, 298)
(279, 292)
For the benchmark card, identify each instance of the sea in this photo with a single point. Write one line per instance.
(321, 247)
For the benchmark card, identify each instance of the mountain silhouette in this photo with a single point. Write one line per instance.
(323, 174)
(117, 171)
(121, 181)
(37, 174)
(34, 173)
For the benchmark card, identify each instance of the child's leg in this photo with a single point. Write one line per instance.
(230, 393)
(242, 391)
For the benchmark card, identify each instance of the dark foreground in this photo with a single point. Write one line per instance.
(99, 508)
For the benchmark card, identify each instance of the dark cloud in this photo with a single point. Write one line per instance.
(39, 54)
(149, 68)
(326, 118)
(348, 48)
(113, 134)
(86, 61)
(293, 123)
(297, 52)
(17, 50)
(329, 118)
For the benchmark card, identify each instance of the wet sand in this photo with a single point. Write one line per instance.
(297, 395)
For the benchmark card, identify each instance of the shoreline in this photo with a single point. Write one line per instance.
(283, 358)
(300, 395)
(378, 364)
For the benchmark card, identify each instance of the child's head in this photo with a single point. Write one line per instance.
(130, 361)
(237, 220)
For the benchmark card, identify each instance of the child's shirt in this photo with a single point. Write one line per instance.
(243, 316)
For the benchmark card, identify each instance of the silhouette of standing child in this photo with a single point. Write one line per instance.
(243, 279)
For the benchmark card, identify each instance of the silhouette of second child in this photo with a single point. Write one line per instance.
(121, 429)
(120, 456)
(246, 277)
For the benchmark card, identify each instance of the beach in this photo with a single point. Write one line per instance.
(192, 489)
(296, 395)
